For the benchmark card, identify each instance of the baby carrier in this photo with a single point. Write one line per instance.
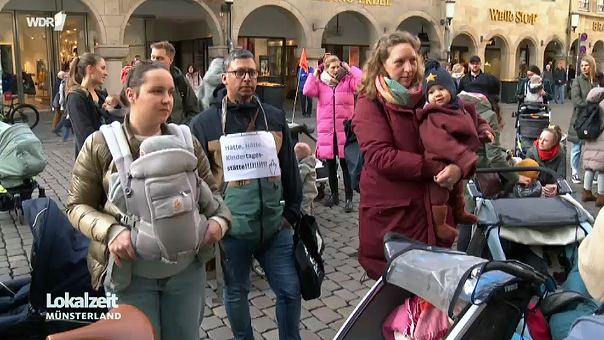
(161, 194)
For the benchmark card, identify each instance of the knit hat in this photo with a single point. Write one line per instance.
(530, 174)
(436, 75)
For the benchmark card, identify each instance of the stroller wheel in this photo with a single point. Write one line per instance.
(20, 216)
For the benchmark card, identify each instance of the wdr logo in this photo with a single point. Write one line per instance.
(58, 22)
(77, 302)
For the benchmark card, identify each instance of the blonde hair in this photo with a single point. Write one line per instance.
(457, 68)
(381, 52)
(592, 67)
(329, 60)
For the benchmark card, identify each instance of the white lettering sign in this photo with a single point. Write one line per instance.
(249, 156)
(81, 302)
(58, 22)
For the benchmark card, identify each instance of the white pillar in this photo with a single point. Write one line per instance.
(114, 56)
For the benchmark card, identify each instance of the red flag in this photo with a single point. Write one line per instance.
(303, 61)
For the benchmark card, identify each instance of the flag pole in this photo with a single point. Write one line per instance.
(296, 97)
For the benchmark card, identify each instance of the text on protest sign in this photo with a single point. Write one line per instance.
(249, 155)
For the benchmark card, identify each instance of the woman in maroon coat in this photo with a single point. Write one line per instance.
(396, 175)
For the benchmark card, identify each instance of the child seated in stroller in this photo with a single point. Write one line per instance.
(528, 184)
(535, 87)
(450, 133)
(306, 165)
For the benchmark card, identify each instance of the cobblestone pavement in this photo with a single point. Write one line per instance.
(343, 287)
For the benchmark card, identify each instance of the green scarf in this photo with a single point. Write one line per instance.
(398, 91)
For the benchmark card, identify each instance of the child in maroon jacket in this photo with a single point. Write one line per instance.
(451, 131)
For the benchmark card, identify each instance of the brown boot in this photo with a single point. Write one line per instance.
(443, 231)
(588, 196)
(600, 201)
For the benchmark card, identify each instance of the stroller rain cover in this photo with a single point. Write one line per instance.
(21, 155)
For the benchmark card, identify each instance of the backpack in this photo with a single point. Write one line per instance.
(162, 196)
(588, 122)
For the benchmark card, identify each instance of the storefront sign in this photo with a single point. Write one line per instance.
(385, 3)
(510, 16)
(57, 22)
(598, 26)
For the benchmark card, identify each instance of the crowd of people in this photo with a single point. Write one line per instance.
(423, 132)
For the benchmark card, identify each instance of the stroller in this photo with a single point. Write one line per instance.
(531, 119)
(322, 172)
(21, 158)
(543, 232)
(58, 260)
(485, 300)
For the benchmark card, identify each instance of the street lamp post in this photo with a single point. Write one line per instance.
(229, 4)
(574, 23)
(449, 15)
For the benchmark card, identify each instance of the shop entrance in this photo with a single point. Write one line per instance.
(34, 47)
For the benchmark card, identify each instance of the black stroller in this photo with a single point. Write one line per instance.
(58, 260)
(485, 300)
(531, 119)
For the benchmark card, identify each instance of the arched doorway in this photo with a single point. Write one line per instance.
(526, 55)
(188, 24)
(273, 44)
(598, 54)
(348, 35)
(462, 49)
(496, 56)
(34, 53)
(553, 53)
(573, 58)
(427, 33)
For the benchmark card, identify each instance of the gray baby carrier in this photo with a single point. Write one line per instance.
(161, 196)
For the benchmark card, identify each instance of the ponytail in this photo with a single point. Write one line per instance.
(77, 69)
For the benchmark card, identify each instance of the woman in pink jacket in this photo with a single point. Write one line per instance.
(335, 88)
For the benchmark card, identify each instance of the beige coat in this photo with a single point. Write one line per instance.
(591, 253)
(309, 183)
(593, 156)
(87, 205)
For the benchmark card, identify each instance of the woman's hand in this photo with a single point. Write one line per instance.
(542, 93)
(550, 190)
(214, 233)
(346, 67)
(490, 136)
(449, 176)
(121, 247)
(318, 74)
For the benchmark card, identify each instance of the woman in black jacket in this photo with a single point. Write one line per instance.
(84, 105)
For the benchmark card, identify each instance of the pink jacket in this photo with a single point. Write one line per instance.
(331, 112)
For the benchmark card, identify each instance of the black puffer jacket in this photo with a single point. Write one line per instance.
(86, 117)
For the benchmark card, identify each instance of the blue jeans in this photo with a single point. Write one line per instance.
(559, 89)
(575, 156)
(64, 123)
(306, 104)
(276, 257)
(173, 305)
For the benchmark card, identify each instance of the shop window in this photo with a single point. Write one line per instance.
(7, 66)
(601, 6)
(584, 5)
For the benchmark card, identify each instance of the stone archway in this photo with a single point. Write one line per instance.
(598, 54)
(463, 47)
(421, 25)
(350, 36)
(554, 53)
(179, 9)
(526, 55)
(497, 55)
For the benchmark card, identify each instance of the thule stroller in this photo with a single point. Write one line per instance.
(21, 158)
(531, 119)
(58, 262)
(485, 300)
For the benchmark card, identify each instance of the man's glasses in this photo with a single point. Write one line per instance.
(240, 74)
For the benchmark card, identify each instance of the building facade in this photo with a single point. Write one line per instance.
(507, 36)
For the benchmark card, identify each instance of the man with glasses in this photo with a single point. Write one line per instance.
(252, 157)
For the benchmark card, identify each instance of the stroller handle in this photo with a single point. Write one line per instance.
(517, 269)
(518, 169)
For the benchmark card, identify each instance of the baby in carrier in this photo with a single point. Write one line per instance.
(535, 86)
(167, 200)
(450, 135)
